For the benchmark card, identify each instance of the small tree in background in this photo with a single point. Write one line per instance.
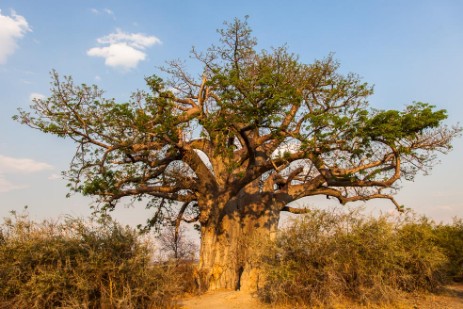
(175, 244)
(235, 145)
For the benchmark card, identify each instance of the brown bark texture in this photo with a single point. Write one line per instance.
(227, 253)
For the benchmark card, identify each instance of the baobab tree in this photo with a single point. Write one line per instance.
(232, 147)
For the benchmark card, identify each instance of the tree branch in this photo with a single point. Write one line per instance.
(297, 211)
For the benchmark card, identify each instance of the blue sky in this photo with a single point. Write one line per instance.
(410, 50)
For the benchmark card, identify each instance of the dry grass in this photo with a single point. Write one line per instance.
(82, 264)
(326, 258)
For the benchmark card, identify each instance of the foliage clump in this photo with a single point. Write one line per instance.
(82, 264)
(326, 258)
(450, 239)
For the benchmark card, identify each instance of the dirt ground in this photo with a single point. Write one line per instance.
(222, 300)
(450, 298)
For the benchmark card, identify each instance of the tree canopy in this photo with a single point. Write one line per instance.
(249, 115)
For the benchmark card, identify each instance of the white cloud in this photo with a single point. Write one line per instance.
(123, 50)
(118, 55)
(136, 40)
(102, 11)
(23, 165)
(36, 95)
(6, 185)
(10, 165)
(108, 11)
(55, 177)
(12, 28)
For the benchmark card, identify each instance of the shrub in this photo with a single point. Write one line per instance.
(81, 264)
(423, 264)
(324, 258)
(450, 239)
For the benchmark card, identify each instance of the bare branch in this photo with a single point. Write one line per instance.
(298, 211)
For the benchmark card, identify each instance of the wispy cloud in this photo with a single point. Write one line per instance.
(23, 165)
(7, 186)
(108, 11)
(10, 165)
(55, 176)
(104, 11)
(12, 28)
(123, 50)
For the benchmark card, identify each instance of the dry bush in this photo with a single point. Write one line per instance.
(81, 264)
(327, 257)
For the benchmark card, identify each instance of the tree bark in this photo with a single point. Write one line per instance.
(228, 242)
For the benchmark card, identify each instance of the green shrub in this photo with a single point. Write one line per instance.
(324, 258)
(423, 261)
(450, 239)
(81, 264)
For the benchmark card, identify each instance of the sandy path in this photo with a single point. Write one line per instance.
(451, 298)
(222, 300)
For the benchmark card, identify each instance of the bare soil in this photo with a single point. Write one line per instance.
(224, 300)
(450, 298)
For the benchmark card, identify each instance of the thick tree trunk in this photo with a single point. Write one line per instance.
(218, 267)
(228, 243)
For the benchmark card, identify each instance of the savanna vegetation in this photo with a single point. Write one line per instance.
(76, 263)
(328, 258)
(231, 147)
(320, 260)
